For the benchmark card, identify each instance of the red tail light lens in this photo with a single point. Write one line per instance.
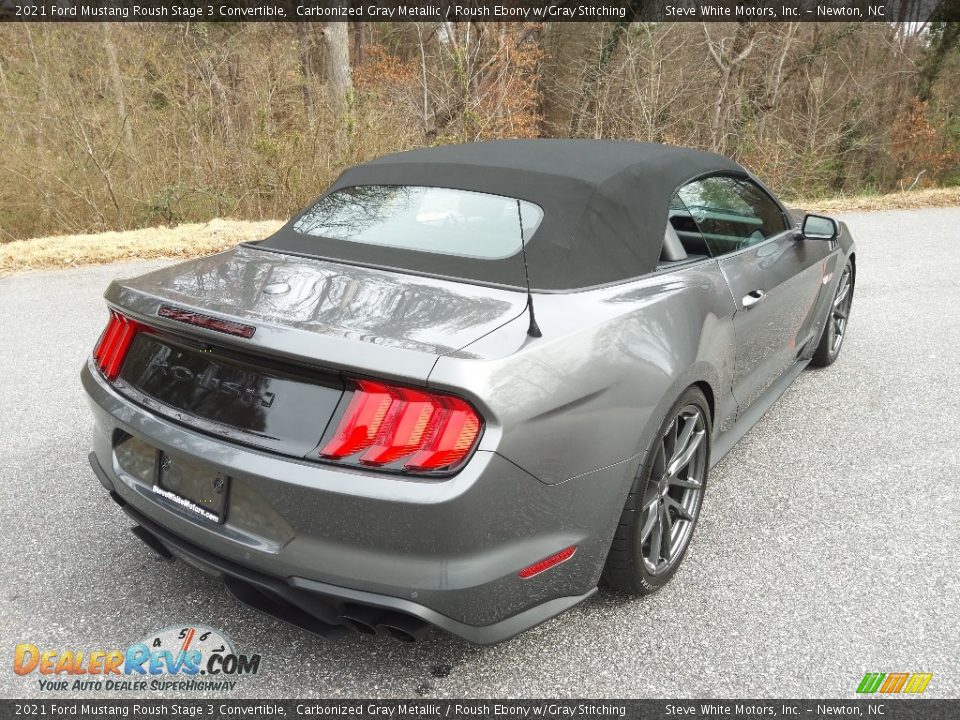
(410, 417)
(408, 429)
(451, 436)
(114, 343)
(362, 421)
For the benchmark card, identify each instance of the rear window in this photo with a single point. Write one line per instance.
(426, 219)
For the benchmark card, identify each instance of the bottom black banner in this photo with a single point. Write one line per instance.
(882, 709)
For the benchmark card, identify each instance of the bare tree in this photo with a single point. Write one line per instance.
(305, 47)
(116, 83)
(814, 108)
(728, 62)
(595, 71)
(339, 80)
(569, 50)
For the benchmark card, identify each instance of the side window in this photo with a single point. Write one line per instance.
(682, 222)
(732, 212)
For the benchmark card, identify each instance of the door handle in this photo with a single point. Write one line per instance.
(753, 298)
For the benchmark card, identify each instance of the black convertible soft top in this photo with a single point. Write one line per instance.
(604, 207)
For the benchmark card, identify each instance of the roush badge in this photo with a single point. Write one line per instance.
(191, 658)
(228, 327)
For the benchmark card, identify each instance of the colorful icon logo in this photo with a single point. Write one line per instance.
(893, 683)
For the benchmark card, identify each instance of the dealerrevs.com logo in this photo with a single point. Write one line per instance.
(177, 658)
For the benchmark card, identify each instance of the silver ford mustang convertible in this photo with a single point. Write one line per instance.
(465, 386)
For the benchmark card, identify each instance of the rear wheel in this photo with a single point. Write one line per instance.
(663, 506)
(836, 327)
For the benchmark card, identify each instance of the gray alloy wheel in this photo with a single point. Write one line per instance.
(672, 496)
(836, 326)
(662, 508)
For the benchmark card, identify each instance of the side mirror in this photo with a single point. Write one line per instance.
(818, 227)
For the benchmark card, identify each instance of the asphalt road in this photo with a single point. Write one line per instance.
(829, 543)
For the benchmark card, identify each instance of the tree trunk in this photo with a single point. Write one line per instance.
(304, 45)
(944, 37)
(569, 49)
(116, 83)
(588, 88)
(728, 65)
(360, 31)
(428, 119)
(339, 79)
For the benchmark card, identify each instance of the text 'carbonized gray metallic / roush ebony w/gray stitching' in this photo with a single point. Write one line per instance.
(465, 386)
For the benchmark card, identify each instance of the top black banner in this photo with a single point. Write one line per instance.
(898, 11)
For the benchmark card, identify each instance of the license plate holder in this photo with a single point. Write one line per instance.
(193, 485)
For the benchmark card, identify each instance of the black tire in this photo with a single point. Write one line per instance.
(629, 565)
(835, 327)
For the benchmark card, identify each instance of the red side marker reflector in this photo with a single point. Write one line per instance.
(205, 321)
(547, 563)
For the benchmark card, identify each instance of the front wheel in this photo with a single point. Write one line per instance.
(664, 502)
(837, 316)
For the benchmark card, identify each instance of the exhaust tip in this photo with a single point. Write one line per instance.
(362, 619)
(359, 626)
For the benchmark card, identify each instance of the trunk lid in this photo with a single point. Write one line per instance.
(318, 314)
(326, 313)
(316, 321)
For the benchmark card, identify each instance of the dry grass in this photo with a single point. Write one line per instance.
(182, 241)
(196, 239)
(931, 197)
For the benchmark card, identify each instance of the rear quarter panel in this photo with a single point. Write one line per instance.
(592, 391)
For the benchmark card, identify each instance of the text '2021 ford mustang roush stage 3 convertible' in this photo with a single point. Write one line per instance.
(466, 385)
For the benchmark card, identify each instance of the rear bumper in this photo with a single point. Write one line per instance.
(324, 602)
(446, 552)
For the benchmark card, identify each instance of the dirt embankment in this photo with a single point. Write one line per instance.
(196, 239)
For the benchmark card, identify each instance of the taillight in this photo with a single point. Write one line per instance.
(114, 343)
(405, 429)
